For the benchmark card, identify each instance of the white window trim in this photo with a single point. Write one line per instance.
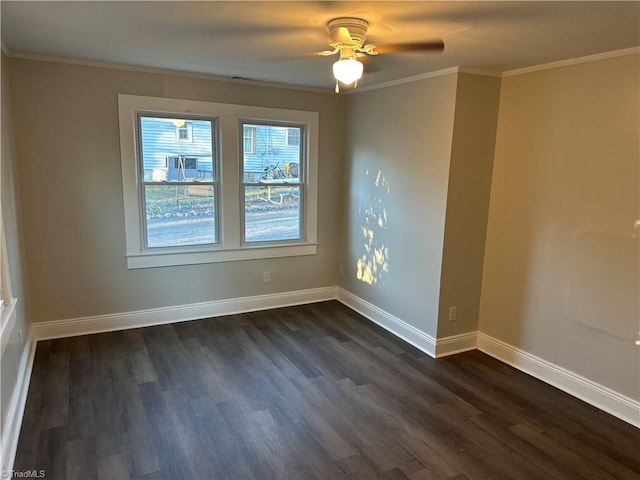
(230, 247)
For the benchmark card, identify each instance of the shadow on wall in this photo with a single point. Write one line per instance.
(374, 262)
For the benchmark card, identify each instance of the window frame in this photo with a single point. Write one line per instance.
(229, 231)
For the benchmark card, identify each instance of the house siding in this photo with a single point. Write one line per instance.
(161, 146)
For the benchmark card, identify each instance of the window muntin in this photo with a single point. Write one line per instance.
(179, 182)
(273, 185)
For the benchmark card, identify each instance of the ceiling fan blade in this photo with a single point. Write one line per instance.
(344, 37)
(326, 53)
(432, 46)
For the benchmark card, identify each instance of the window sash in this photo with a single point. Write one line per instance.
(269, 184)
(143, 184)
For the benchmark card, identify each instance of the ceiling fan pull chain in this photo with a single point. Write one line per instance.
(337, 87)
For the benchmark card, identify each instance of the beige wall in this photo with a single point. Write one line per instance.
(13, 353)
(66, 123)
(397, 170)
(561, 262)
(474, 134)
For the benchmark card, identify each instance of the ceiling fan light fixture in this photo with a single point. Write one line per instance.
(347, 70)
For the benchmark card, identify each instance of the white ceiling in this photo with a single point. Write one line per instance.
(272, 41)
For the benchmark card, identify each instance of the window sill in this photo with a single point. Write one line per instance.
(174, 258)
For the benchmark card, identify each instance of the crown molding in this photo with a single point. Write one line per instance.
(480, 71)
(392, 83)
(402, 81)
(573, 61)
(163, 71)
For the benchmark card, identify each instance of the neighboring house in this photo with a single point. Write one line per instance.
(176, 150)
(268, 146)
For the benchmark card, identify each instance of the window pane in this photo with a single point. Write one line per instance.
(273, 158)
(180, 215)
(272, 213)
(176, 150)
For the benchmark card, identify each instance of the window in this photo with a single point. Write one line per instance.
(272, 196)
(181, 200)
(178, 206)
(184, 130)
(249, 139)
(186, 163)
(293, 137)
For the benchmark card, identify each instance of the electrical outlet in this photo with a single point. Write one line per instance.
(266, 277)
(453, 314)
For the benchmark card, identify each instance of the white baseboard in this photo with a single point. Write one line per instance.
(419, 339)
(456, 344)
(13, 422)
(604, 398)
(195, 311)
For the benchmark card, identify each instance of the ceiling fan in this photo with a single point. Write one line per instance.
(348, 36)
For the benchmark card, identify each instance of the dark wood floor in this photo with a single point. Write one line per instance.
(308, 392)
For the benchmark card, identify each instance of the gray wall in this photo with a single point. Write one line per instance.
(11, 215)
(67, 140)
(432, 144)
(561, 262)
(474, 135)
(397, 171)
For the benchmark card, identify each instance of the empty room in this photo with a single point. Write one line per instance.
(320, 240)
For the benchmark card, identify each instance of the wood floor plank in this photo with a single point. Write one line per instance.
(592, 454)
(81, 459)
(81, 419)
(580, 468)
(114, 467)
(56, 401)
(303, 443)
(162, 431)
(51, 455)
(305, 392)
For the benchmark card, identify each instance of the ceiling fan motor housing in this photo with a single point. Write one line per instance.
(356, 27)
